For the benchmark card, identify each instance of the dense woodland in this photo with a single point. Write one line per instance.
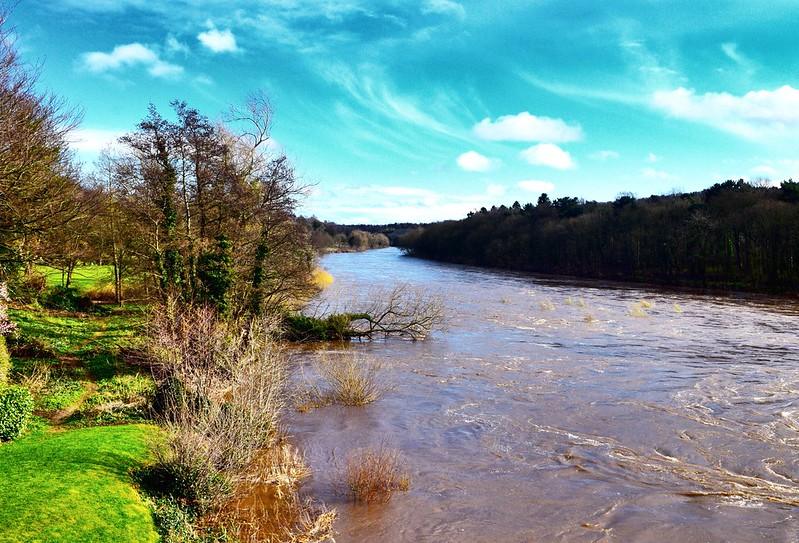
(731, 235)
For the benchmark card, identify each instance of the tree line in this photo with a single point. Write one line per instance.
(327, 236)
(735, 235)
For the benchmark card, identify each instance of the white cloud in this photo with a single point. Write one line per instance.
(536, 185)
(472, 161)
(652, 173)
(548, 154)
(218, 41)
(93, 140)
(604, 155)
(129, 55)
(527, 127)
(755, 115)
(652, 157)
(443, 7)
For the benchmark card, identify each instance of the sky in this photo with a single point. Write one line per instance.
(423, 110)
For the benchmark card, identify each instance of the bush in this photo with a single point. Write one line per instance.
(66, 298)
(5, 361)
(28, 289)
(16, 408)
(220, 393)
(371, 475)
(337, 327)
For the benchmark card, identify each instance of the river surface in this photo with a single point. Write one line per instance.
(552, 410)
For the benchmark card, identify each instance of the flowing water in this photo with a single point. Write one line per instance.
(570, 411)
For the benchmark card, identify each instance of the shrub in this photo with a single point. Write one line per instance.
(5, 361)
(372, 474)
(16, 408)
(220, 395)
(349, 380)
(66, 298)
(29, 287)
(336, 327)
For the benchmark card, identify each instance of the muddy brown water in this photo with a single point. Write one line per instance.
(562, 411)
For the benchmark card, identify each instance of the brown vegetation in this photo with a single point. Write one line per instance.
(349, 379)
(373, 474)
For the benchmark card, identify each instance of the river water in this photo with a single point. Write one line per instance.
(569, 411)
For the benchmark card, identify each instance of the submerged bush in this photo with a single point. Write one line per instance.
(65, 298)
(348, 380)
(337, 327)
(372, 474)
(16, 408)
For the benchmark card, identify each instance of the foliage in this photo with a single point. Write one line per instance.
(215, 275)
(59, 393)
(336, 327)
(731, 235)
(63, 487)
(5, 361)
(65, 298)
(16, 408)
(121, 398)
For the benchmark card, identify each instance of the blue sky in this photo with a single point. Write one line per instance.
(423, 110)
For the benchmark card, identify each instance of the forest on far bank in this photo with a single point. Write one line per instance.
(733, 235)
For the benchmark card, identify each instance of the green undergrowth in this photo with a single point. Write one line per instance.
(75, 486)
(83, 277)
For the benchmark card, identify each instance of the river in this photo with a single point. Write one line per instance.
(551, 410)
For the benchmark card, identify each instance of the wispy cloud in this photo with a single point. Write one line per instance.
(604, 155)
(536, 185)
(127, 56)
(377, 204)
(443, 7)
(526, 127)
(550, 155)
(652, 173)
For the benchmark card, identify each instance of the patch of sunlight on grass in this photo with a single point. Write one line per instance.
(83, 277)
(75, 486)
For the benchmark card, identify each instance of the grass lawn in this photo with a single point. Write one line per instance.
(74, 486)
(83, 277)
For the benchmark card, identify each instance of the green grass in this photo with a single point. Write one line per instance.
(59, 394)
(83, 277)
(77, 335)
(75, 486)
